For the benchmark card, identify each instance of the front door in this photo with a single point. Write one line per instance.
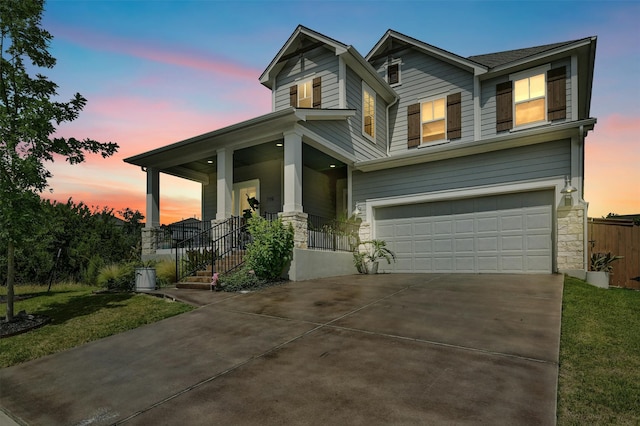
(242, 191)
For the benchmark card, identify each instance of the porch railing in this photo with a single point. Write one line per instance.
(331, 234)
(221, 243)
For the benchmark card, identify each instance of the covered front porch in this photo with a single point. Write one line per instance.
(292, 172)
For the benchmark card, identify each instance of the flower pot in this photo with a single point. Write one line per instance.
(598, 278)
(372, 268)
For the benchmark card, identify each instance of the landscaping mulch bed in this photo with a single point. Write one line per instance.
(22, 323)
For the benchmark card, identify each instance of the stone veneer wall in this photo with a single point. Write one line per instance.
(571, 243)
(300, 227)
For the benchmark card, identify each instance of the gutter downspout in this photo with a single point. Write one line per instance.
(389, 127)
(581, 138)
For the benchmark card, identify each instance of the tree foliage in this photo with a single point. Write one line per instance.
(29, 115)
(86, 238)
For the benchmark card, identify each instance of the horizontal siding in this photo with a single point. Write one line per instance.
(318, 193)
(550, 159)
(320, 62)
(423, 76)
(488, 99)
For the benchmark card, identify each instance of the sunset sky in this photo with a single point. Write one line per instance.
(156, 72)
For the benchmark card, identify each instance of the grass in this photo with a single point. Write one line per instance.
(78, 316)
(599, 381)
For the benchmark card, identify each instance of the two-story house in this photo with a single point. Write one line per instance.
(460, 164)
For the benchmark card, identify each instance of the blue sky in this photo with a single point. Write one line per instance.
(155, 72)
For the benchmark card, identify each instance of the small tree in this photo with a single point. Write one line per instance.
(29, 115)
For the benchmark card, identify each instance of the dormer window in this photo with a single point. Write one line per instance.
(306, 94)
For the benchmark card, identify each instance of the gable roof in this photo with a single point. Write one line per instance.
(493, 60)
(304, 40)
(393, 41)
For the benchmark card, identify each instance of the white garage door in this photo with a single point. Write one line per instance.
(509, 233)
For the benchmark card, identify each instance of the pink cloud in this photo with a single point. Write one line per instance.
(202, 61)
(612, 174)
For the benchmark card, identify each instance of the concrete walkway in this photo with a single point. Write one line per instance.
(384, 349)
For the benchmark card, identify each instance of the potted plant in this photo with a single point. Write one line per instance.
(367, 261)
(599, 268)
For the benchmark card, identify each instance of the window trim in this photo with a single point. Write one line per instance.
(442, 96)
(394, 62)
(367, 89)
(532, 72)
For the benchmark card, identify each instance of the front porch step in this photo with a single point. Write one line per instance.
(201, 280)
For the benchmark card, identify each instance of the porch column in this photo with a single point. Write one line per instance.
(224, 161)
(292, 172)
(153, 198)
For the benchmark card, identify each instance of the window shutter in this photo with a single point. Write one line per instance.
(317, 92)
(293, 95)
(393, 74)
(454, 116)
(557, 94)
(504, 106)
(413, 125)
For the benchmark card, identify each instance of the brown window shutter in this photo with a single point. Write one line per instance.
(504, 106)
(454, 116)
(413, 125)
(393, 74)
(317, 92)
(293, 95)
(557, 94)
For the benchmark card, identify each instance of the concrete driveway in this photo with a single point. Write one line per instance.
(384, 349)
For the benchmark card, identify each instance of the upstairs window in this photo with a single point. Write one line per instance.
(306, 94)
(368, 111)
(529, 99)
(393, 73)
(432, 120)
(437, 119)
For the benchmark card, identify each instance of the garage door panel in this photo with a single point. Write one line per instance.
(506, 233)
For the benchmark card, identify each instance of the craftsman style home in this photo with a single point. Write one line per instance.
(461, 164)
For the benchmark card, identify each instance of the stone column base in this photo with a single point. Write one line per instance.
(571, 244)
(300, 227)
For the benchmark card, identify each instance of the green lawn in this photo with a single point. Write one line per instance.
(599, 381)
(78, 316)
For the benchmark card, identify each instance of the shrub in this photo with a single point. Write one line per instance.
(117, 276)
(241, 279)
(271, 247)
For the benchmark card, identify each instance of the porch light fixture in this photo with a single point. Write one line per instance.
(279, 144)
(567, 191)
(333, 166)
(209, 161)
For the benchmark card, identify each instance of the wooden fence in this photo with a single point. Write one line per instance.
(621, 238)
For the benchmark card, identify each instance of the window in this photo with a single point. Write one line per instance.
(368, 111)
(306, 94)
(432, 120)
(529, 99)
(393, 73)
